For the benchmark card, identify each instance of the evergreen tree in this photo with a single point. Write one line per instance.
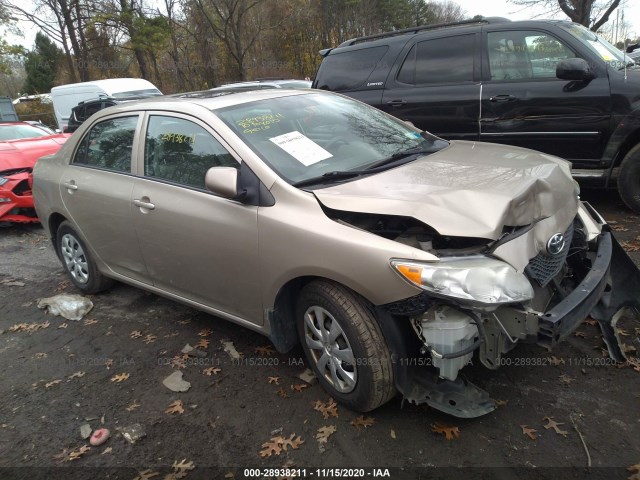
(41, 64)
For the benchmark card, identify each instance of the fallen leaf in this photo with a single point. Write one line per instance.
(283, 393)
(76, 375)
(120, 377)
(265, 351)
(183, 465)
(175, 407)
(184, 322)
(76, 454)
(551, 423)
(501, 403)
(591, 321)
(329, 409)
(293, 442)
(299, 387)
(204, 343)
(150, 338)
(324, 433)
(211, 371)
(133, 406)
(41, 355)
(555, 361)
(362, 422)
(108, 363)
(449, 431)
(52, 383)
(205, 333)
(63, 325)
(274, 380)
(90, 322)
(135, 334)
(12, 283)
(106, 451)
(179, 361)
(622, 332)
(530, 432)
(146, 474)
(566, 379)
(271, 447)
(578, 333)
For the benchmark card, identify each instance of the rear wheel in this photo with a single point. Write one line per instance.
(629, 179)
(77, 261)
(344, 345)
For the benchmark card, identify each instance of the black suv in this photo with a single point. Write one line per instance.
(552, 86)
(85, 109)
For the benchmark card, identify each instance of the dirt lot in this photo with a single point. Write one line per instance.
(107, 370)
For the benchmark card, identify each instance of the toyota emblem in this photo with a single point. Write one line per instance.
(555, 245)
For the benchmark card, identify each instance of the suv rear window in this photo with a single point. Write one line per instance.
(348, 70)
(443, 60)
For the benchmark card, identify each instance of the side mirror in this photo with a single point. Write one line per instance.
(574, 69)
(223, 181)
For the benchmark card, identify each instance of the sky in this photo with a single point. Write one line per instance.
(503, 8)
(488, 8)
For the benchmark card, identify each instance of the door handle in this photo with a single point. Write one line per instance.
(142, 204)
(396, 103)
(503, 98)
(71, 186)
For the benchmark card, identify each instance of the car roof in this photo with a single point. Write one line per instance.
(213, 101)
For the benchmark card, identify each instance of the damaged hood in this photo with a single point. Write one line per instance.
(468, 189)
(25, 152)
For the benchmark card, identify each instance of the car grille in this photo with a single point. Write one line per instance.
(543, 267)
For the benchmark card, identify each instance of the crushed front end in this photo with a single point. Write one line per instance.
(16, 201)
(484, 302)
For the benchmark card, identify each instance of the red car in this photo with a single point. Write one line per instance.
(21, 144)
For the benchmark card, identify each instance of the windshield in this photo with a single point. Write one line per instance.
(307, 136)
(610, 54)
(16, 132)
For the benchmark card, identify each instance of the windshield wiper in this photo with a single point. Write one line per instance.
(409, 152)
(330, 176)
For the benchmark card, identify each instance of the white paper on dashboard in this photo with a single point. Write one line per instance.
(302, 148)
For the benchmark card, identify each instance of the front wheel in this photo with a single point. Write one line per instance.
(77, 261)
(629, 179)
(344, 346)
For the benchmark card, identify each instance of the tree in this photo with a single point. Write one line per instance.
(41, 64)
(590, 13)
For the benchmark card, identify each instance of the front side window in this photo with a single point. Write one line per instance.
(108, 145)
(180, 151)
(443, 60)
(525, 55)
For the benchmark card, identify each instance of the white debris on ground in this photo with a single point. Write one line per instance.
(69, 306)
(230, 348)
(175, 383)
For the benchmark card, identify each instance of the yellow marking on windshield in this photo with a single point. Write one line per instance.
(259, 123)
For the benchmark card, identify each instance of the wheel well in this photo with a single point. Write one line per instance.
(55, 219)
(630, 142)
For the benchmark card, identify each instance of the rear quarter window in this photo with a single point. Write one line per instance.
(349, 70)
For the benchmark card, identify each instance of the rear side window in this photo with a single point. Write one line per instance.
(108, 145)
(180, 151)
(442, 60)
(349, 70)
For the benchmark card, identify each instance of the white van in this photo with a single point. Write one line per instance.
(65, 97)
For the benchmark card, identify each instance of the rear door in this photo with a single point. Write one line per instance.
(96, 190)
(196, 245)
(436, 86)
(525, 104)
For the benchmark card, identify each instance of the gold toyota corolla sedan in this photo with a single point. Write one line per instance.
(391, 255)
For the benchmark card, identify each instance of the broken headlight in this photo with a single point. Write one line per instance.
(476, 279)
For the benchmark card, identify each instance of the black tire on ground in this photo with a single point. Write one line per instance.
(77, 262)
(321, 303)
(629, 179)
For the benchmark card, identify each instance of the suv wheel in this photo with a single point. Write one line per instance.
(629, 179)
(344, 345)
(77, 261)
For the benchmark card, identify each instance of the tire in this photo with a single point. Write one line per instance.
(361, 375)
(77, 262)
(629, 179)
